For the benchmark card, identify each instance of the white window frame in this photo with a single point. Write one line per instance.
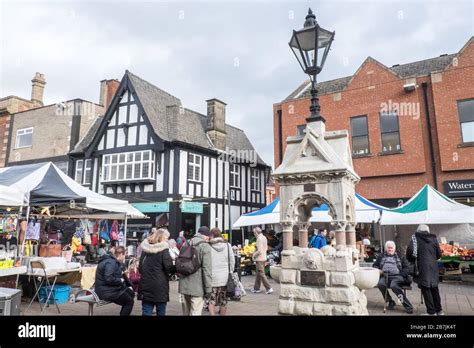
(192, 163)
(79, 169)
(235, 175)
(255, 180)
(129, 159)
(87, 172)
(20, 132)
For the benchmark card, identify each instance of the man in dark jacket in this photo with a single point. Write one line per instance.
(110, 284)
(424, 250)
(155, 267)
(394, 274)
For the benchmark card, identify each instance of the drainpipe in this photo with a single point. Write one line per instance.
(280, 138)
(430, 137)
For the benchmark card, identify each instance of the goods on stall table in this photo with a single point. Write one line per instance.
(454, 250)
(6, 264)
(246, 262)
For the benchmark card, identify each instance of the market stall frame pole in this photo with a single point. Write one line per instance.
(23, 242)
(125, 233)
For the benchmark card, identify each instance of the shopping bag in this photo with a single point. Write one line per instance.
(67, 253)
(114, 231)
(94, 239)
(49, 250)
(104, 232)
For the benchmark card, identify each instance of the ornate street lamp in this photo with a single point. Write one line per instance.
(311, 46)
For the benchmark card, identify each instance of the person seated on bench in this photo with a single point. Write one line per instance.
(394, 274)
(110, 283)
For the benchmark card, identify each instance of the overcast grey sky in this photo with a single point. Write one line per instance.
(235, 51)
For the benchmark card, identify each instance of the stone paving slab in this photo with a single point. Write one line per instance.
(457, 299)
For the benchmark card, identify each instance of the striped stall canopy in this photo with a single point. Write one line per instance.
(428, 206)
(366, 212)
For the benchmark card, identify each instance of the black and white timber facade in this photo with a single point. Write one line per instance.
(148, 149)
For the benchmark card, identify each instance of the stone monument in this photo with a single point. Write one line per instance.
(317, 168)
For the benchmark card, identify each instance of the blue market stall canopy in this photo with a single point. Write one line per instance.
(366, 212)
(44, 184)
(428, 206)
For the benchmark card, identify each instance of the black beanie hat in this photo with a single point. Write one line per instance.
(204, 230)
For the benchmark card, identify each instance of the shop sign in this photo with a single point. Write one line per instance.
(459, 188)
(153, 207)
(192, 207)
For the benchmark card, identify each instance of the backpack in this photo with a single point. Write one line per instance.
(187, 261)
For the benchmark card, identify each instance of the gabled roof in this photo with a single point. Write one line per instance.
(88, 137)
(171, 122)
(414, 69)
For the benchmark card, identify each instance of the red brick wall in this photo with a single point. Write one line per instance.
(396, 175)
(457, 84)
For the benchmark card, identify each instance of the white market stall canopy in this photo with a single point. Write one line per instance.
(11, 197)
(366, 212)
(428, 206)
(42, 184)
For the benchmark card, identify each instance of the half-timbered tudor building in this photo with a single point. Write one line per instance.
(174, 164)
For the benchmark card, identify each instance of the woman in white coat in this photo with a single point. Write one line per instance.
(222, 261)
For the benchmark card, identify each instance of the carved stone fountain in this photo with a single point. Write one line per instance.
(317, 168)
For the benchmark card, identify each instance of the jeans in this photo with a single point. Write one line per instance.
(147, 308)
(126, 301)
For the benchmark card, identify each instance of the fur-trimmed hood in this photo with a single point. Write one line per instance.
(153, 248)
(218, 244)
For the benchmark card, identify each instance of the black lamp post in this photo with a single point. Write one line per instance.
(311, 46)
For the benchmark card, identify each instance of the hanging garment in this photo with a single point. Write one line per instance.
(33, 230)
(69, 228)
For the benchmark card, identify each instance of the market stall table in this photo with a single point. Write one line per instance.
(6, 272)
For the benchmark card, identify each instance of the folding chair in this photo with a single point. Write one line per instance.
(42, 278)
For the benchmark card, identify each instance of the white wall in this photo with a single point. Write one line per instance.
(213, 177)
(183, 174)
(171, 172)
(206, 177)
(159, 177)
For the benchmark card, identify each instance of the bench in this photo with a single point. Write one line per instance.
(90, 297)
(408, 287)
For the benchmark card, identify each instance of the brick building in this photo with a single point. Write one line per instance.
(410, 124)
(29, 138)
(13, 104)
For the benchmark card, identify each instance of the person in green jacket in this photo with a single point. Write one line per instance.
(194, 287)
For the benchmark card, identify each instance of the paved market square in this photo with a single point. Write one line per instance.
(457, 299)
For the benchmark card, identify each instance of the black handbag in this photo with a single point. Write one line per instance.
(230, 287)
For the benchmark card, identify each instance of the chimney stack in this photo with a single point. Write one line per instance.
(37, 88)
(216, 122)
(107, 91)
